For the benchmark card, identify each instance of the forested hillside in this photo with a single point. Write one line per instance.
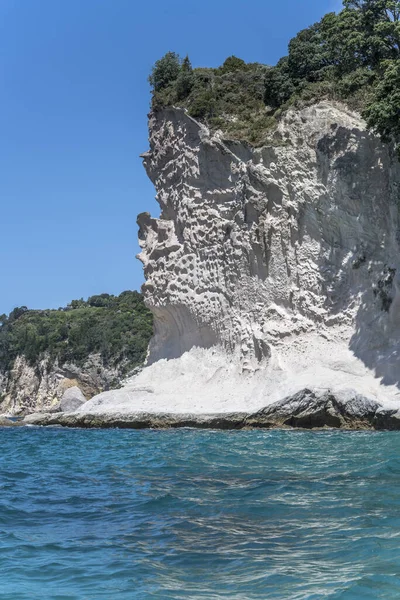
(116, 327)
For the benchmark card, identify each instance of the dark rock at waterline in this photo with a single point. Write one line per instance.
(138, 420)
(310, 409)
(40, 418)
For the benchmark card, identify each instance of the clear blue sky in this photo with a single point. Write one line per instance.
(73, 104)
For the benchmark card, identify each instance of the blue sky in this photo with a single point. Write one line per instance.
(73, 104)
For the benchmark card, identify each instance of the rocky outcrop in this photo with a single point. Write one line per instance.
(72, 400)
(4, 422)
(28, 388)
(308, 409)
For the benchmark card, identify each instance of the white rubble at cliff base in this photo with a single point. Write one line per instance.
(204, 381)
(270, 269)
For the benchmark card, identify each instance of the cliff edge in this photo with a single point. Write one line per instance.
(270, 269)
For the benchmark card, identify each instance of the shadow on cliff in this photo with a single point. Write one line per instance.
(176, 332)
(377, 332)
(359, 250)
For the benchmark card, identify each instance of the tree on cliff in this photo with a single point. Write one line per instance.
(279, 85)
(165, 71)
(185, 79)
(354, 54)
(233, 64)
(379, 29)
(383, 112)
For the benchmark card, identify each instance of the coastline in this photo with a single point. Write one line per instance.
(307, 409)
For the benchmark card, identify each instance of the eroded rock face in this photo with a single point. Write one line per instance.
(28, 388)
(256, 247)
(270, 271)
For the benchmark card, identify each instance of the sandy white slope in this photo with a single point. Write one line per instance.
(207, 381)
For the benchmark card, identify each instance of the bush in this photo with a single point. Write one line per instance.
(232, 64)
(202, 105)
(279, 86)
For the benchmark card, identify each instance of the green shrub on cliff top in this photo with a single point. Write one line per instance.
(117, 327)
(352, 56)
(228, 98)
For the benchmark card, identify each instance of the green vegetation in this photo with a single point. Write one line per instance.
(230, 98)
(116, 327)
(352, 56)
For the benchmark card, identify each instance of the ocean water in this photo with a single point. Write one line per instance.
(199, 514)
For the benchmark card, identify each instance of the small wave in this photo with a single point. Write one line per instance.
(196, 514)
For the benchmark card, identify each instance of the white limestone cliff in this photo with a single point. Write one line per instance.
(269, 269)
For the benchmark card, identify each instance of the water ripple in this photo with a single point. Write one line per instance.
(199, 514)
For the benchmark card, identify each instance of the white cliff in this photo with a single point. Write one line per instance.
(269, 269)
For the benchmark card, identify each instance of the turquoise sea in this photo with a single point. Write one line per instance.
(116, 514)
